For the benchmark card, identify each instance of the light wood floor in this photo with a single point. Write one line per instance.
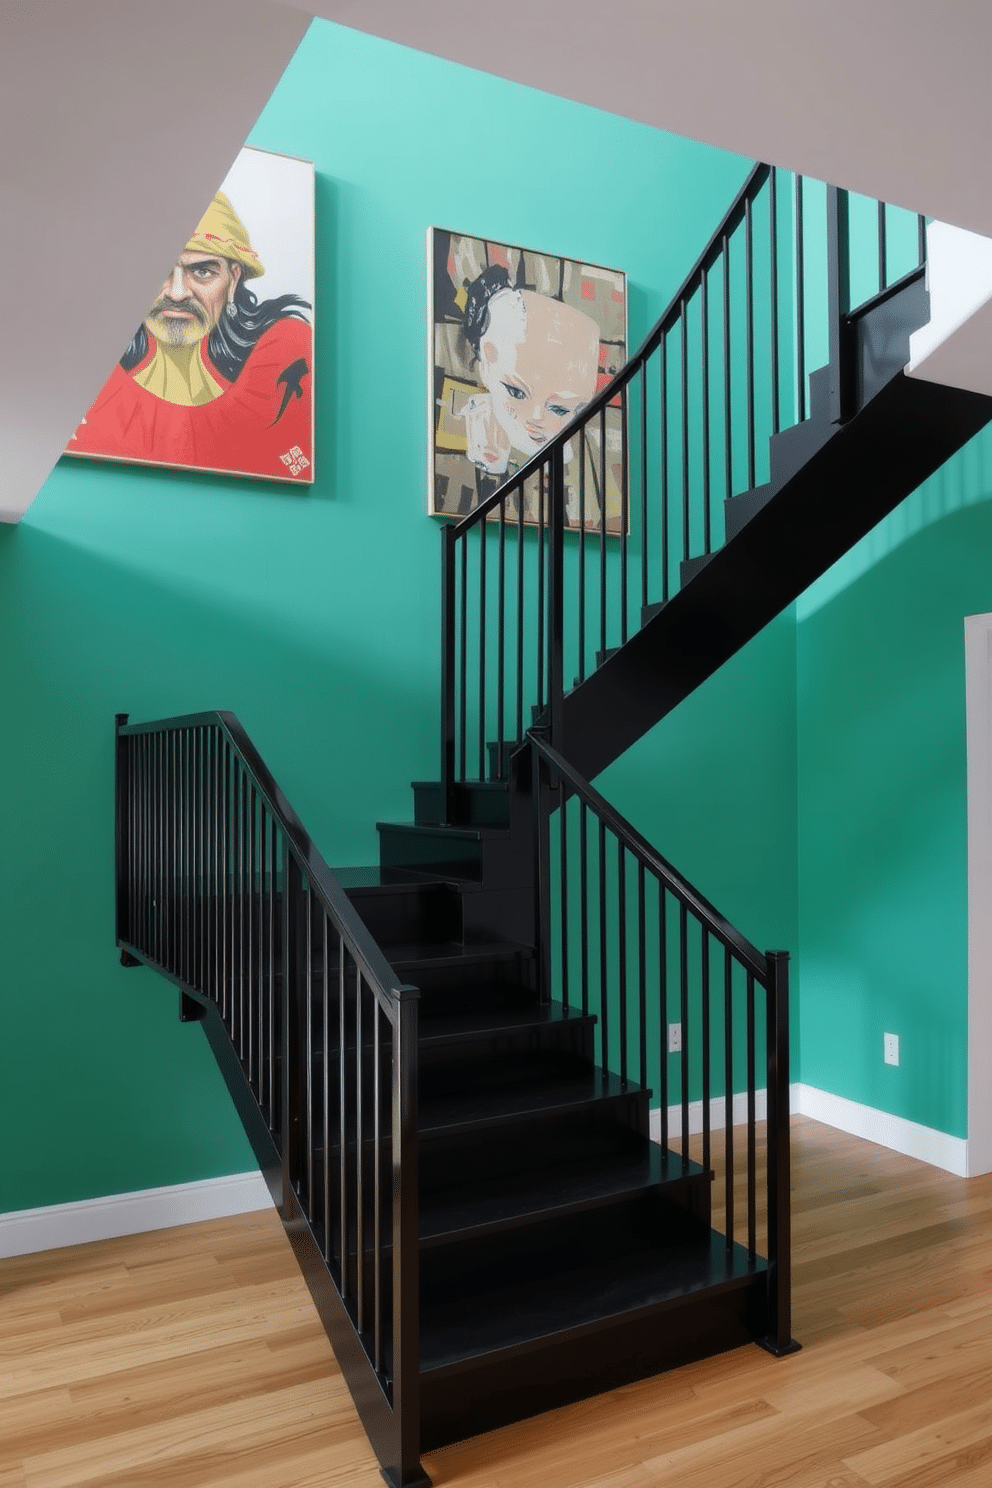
(192, 1358)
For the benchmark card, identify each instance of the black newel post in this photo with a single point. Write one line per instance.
(779, 1339)
(405, 1470)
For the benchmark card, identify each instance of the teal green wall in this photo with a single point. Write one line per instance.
(882, 806)
(312, 615)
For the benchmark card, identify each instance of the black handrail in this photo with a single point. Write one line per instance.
(628, 938)
(221, 889)
(721, 372)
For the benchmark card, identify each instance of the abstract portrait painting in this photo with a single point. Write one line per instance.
(219, 374)
(520, 342)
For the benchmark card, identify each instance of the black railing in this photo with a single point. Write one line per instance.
(638, 481)
(685, 1006)
(221, 890)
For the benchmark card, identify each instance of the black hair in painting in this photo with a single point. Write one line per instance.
(233, 338)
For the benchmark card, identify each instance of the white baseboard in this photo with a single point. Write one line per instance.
(25, 1231)
(718, 1115)
(895, 1132)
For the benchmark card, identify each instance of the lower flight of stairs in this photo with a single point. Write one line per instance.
(562, 1252)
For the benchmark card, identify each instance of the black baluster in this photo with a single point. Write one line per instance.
(663, 1004)
(520, 730)
(462, 766)
(584, 900)
(644, 484)
(684, 1021)
(540, 587)
(665, 535)
(773, 247)
(752, 1206)
(749, 331)
(622, 954)
(481, 709)
(800, 305)
(603, 998)
(602, 533)
(728, 453)
(642, 985)
(563, 890)
(252, 1016)
(684, 342)
(583, 456)
(882, 266)
(704, 311)
(377, 1182)
(705, 1034)
(624, 508)
(307, 951)
(728, 1094)
(556, 593)
(342, 1117)
(359, 1147)
(501, 644)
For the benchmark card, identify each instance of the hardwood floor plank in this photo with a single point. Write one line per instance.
(963, 1436)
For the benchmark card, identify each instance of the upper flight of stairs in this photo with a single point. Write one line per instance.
(830, 485)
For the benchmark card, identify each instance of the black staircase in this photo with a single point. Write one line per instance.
(520, 1093)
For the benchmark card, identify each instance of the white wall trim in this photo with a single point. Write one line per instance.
(717, 1115)
(886, 1130)
(978, 709)
(894, 1132)
(24, 1231)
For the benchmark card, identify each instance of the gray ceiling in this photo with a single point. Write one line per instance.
(105, 163)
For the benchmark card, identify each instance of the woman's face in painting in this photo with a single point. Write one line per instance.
(538, 359)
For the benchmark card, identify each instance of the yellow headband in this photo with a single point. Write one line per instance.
(220, 231)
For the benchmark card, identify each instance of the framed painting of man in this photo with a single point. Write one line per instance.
(219, 375)
(519, 342)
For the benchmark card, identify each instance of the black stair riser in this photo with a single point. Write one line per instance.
(499, 1390)
(457, 978)
(603, 1234)
(533, 1141)
(477, 804)
(574, 1039)
(396, 916)
(446, 852)
(507, 1069)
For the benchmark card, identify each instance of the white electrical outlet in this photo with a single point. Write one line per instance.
(674, 1038)
(890, 1042)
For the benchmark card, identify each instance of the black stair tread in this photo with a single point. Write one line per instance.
(500, 786)
(580, 1298)
(375, 876)
(457, 833)
(429, 955)
(496, 1203)
(449, 1111)
(454, 1027)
